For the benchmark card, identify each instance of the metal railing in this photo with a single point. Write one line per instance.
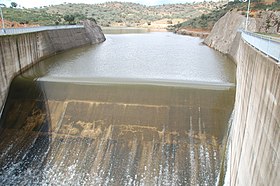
(266, 44)
(11, 31)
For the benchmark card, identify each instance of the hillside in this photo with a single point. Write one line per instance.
(267, 14)
(112, 13)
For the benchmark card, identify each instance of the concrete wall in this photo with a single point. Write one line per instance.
(255, 136)
(18, 52)
(254, 141)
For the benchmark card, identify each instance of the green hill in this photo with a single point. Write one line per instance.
(109, 14)
(207, 21)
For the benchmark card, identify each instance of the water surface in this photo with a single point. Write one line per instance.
(150, 56)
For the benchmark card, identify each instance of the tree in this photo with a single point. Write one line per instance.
(13, 4)
(203, 16)
(93, 20)
(69, 18)
(169, 22)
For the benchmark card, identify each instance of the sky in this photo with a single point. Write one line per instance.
(38, 3)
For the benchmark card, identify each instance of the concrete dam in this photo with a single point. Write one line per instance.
(124, 134)
(255, 135)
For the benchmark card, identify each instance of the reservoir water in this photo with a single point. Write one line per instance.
(142, 108)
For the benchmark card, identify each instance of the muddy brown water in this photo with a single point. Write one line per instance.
(142, 123)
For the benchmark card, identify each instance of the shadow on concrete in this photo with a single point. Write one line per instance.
(24, 133)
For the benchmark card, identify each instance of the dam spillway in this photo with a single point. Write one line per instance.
(113, 133)
(122, 134)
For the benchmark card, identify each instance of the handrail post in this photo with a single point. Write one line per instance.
(247, 16)
(268, 44)
(2, 17)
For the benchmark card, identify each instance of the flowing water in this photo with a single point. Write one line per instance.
(139, 109)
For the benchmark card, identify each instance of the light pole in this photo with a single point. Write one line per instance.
(247, 16)
(3, 25)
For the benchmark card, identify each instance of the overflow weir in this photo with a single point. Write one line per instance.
(76, 134)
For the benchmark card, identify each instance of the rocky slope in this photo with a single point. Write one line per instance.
(269, 21)
(225, 30)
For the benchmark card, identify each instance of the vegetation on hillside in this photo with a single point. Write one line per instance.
(198, 16)
(108, 14)
(203, 22)
(207, 21)
(30, 16)
(257, 5)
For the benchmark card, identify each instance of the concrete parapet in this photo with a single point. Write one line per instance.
(254, 142)
(255, 135)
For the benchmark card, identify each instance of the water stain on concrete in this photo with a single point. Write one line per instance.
(70, 134)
